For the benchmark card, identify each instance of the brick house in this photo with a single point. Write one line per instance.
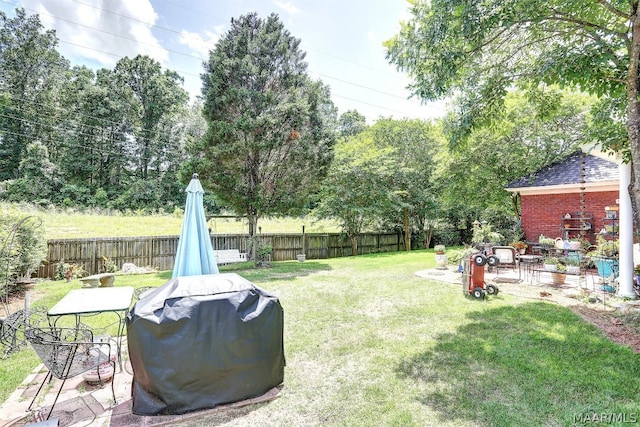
(581, 185)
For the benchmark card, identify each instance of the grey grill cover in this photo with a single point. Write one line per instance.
(199, 341)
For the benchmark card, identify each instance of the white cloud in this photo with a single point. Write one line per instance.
(102, 31)
(288, 7)
(201, 44)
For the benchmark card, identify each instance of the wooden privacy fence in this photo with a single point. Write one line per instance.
(159, 251)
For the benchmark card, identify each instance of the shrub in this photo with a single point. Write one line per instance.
(22, 247)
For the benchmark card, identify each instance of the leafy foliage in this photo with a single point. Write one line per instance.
(30, 70)
(537, 127)
(22, 248)
(355, 192)
(270, 127)
(382, 177)
(71, 136)
(480, 50)
(351, 123)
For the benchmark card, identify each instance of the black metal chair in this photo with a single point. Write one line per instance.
(140, 292)
(13, 326)
(67, 352)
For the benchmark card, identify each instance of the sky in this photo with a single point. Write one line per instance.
(343, 40)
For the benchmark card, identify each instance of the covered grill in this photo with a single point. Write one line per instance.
(200, 341)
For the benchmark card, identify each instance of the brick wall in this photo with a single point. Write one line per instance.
(542, 213)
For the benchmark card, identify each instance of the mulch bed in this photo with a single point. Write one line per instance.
(611, 325)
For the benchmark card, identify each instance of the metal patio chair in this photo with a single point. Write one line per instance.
(507, 257)
(141, 292)
(13, 326)
(67, 352)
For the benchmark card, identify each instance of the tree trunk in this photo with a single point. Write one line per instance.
(428, 234)
(633, 113)
(353, 239)
(407, 232)
(253, 226)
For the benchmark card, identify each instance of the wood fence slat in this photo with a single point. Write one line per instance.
(159, 251)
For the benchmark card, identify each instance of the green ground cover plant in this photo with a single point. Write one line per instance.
(369, 343)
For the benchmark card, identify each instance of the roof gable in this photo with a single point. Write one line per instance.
(569, 171)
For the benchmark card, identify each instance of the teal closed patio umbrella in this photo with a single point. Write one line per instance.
(194, 255)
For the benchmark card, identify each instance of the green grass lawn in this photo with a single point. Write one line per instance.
(369, 343)
(72, 224)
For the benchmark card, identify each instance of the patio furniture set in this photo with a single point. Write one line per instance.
(68, 351)
(245, 317)
(532, 268)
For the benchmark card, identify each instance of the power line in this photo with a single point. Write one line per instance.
(204, 59)
(363, 86)
(82, 114)
(325, 75)
(199, 12)
(187, 73)
(116, 35)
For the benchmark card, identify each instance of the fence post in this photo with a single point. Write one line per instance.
(94, 248)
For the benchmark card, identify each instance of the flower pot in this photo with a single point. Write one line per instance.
(105, 374)
(558, 278)
(550, 267)
(301, 257)
(607, 267)
(441, 261)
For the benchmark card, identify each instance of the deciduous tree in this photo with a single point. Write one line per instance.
(30, 73)
(536, 128)
(155, 97)
(383, 177)
(356, 191)
(482, 49)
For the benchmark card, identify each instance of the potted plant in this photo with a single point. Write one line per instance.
(546, 241)
(559, 275)
(605, 257)
(550, 263)
(484, 237)
(264, 255)
(572, 264)
(520, 246)
(575, 243)
(441, 256)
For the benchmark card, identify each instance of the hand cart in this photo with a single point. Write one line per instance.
(473, 282)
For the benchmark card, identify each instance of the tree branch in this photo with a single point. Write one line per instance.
(562, 17)
(613, 10)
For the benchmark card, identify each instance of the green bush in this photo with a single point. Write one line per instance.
(445, 234)
(23, 247)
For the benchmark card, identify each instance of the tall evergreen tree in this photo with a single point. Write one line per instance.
(271, 128)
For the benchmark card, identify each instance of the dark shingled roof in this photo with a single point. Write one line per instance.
(568, 171)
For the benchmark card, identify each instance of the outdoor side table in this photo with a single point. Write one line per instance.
(86, 302)
(528, 262)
